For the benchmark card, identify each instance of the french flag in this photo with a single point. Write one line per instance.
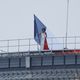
(38, 26)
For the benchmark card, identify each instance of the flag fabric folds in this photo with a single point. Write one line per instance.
(38, 25)
(40, 34)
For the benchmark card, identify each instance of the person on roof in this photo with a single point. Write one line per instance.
(44, 44)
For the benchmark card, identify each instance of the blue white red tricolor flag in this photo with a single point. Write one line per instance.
(38, 25)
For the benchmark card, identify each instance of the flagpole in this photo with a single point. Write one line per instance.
(67, 24)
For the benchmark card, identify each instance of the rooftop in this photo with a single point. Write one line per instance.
(28, 47)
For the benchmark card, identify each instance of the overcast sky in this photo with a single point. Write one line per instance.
(16, 17)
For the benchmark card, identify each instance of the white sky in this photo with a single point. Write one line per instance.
(16, 17)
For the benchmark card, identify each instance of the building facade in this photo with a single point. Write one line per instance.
(21, 59)
(45, 65)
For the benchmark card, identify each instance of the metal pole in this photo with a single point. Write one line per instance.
(8, 46)
(18, 45)
(67, 24)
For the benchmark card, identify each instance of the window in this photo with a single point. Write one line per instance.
(3, 62)
(78, 59)
(58, 60)
(70, 59)
(14, 62)
(35, 61)
(47, 60)
(23, 62)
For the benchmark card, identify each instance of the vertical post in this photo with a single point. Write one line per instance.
(30, 62)
(18, 45)
(75, 59)
(7, 45)
(19, 62)
(67, 24)
(8, 62)
(52, 60)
